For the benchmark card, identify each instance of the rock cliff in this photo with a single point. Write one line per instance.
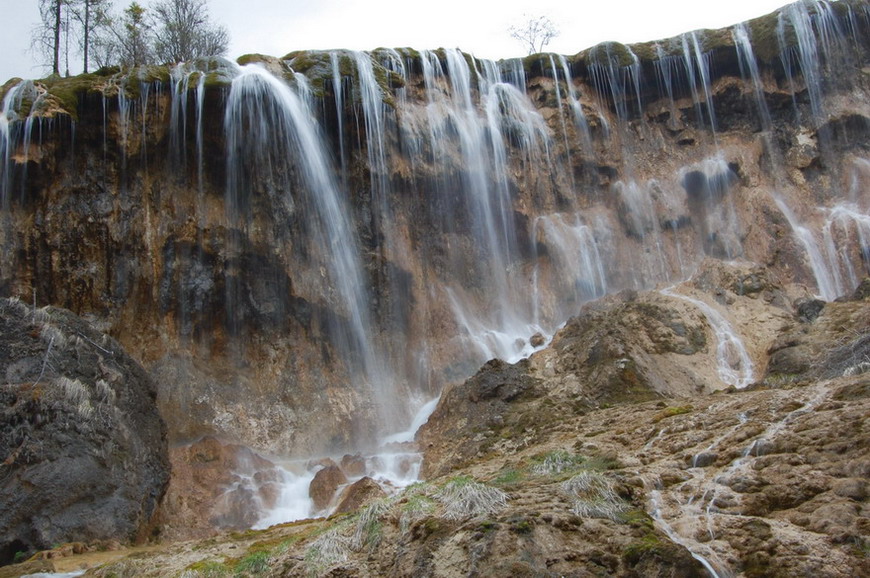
(83, 447)
(302, 250)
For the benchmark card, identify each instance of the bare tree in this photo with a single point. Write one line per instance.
(185, 32)
(534, 33)
(91, 16)
(46, 36)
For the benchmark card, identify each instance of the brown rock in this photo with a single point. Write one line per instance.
(25, 568)
(216, 486)
(537, 340)
(358, 494)
(323, 486)
(353, 465)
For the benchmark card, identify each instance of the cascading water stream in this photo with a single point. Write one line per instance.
(506, 259)
(825, 263)
(261, 105)
(735, 365)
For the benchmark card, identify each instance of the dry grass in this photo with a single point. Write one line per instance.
(593, 495)
(462, 498)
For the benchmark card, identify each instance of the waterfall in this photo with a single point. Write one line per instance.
(266, 121)
(412, 214)
(735, 365)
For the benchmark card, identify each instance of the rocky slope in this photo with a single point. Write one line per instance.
(303, 249)
(83, 455)
(536, 470)
(403, 216)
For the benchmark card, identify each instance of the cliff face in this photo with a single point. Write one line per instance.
(84, 450)
(305, 249)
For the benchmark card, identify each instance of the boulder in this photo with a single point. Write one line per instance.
(358, 494)
(353, 466)
(324, 485)
(82, 446)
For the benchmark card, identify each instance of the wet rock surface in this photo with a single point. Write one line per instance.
(83, 454)
(769, 480)
(216, 487)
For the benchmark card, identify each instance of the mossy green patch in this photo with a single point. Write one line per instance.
(253, 564)
(65, 93)
(252, 59)
(208, 569)
(648, 545)
(671, 412)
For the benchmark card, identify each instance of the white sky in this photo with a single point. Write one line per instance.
(276, 27)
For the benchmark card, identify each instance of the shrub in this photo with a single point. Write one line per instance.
(367, 531)
(329, 548)
(463, 497)
(593, 495)
(557, 462)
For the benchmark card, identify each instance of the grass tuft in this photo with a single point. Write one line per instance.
(463, 497)
(593, 495)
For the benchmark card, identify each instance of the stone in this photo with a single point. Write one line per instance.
(216, 486)
(83, 449)
(358, 494)
(322, 488)
(808, 309)
(704, 459)
(353, 466)
(537, 340)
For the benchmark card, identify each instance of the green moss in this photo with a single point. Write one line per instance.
(154, 73)
(208, 569)
(508, 477)
(252, 59)
(608, 53)
(671, 412)
(715, 39)
(215, 80)
(648, 545)
(64, 94)
(637, 518)
(253, 564)
(765, 38)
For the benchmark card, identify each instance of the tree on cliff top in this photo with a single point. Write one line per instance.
(46, 36)
(66, 22)
(534, 33)
(184, 31)
(132, 37)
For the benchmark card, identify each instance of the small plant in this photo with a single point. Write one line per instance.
(206, 569)
(463, 497)
(508, 477)
(329, 548)
(253, 564)
(557, 462)
(417, 504)
(593, 495)
(367, 531)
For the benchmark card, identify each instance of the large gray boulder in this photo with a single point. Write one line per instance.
(83, 451)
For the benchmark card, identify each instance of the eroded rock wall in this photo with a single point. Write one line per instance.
(304, 249)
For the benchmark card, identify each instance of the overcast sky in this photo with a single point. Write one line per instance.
(276, 27)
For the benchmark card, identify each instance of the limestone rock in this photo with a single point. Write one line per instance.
(216, 486)
(324, 485)
(353, 466)
(83, 449)
(356, 495)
